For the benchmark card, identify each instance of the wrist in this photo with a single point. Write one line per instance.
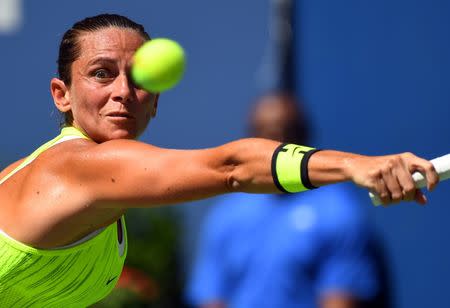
(350, 165)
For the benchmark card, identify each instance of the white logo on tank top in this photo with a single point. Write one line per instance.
(120, 237)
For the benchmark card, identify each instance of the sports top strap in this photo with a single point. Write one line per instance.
(67, 133)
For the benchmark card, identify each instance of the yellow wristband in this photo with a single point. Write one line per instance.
(290, 167)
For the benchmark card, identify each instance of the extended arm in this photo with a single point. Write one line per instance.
(126, 173)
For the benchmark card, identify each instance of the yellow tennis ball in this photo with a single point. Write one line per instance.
(158, 65)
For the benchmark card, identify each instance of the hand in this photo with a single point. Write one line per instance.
(390, 176)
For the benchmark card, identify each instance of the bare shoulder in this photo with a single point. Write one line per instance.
(50, 180)
(93, 170)
(10, 168)
(47, 204)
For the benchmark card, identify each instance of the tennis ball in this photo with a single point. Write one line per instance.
(158, 65)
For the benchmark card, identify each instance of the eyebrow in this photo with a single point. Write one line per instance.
(101, 60)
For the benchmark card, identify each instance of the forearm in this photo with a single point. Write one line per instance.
(328, 167)
(298, 168)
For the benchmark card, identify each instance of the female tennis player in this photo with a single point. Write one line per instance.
(63, 237)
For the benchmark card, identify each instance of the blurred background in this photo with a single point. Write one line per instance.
(373, 76)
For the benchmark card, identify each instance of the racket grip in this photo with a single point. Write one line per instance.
(442, 166)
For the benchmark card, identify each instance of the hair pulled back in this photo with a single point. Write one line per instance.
(69, 49)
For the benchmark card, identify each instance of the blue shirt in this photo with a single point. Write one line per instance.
(285, 250)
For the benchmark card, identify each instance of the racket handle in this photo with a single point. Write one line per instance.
(442, 166)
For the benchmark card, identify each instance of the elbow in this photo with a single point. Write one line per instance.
(235, 172)
(233, 184)
(235, 179)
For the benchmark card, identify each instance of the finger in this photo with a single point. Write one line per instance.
(432, 177)
(382, 191)
(428, 171)
(406, 183)
(420, 197)
(392, 185)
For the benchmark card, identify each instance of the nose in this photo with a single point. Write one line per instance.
(123, 89)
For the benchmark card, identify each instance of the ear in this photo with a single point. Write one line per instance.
(155, 105)
(60, 94)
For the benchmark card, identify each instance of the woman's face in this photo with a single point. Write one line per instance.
(103, 100)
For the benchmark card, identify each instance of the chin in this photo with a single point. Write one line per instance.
(122, 130)
(114, 134)
(123, 134)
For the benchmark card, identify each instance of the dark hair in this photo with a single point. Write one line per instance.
(69, 49)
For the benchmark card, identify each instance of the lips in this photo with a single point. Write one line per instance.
(120, 114)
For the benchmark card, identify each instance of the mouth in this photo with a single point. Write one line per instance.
(120, 115)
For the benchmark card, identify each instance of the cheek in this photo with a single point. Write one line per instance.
(146, 102)
(92, 101)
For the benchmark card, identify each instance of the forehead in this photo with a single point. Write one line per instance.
(109, 41)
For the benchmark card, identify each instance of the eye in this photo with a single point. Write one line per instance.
(101, 74)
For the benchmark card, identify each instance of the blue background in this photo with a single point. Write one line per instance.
(374, 77)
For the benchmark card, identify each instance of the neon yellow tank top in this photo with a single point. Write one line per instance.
(76, 275)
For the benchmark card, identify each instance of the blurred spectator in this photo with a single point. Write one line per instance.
(314, 249)
(138, 282)
(134, 289)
